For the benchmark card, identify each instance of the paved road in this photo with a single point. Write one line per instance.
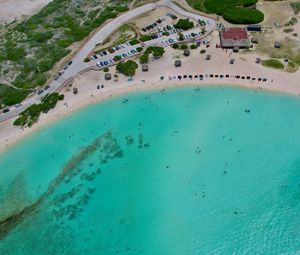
(78, 63)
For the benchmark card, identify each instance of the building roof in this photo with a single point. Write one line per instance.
(234, 37)
(234, 33)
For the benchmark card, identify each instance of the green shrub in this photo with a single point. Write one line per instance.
(175, 46)
(134, 42)
(144, 58)
(139, 49)
(202, 51)
(117, 58)
(106, 69)
(156, 51)
(183, 47)
(127, 68)
(184, 24)
(181, 36)
(144, 38)
(193, 46)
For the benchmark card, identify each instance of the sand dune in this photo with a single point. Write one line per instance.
(11, 9)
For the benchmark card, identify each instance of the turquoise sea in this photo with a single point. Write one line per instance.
(213, 170)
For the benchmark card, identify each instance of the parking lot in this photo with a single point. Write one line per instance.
(165, 36)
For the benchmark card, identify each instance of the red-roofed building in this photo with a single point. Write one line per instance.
(234, 37)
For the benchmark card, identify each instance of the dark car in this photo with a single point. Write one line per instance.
(46, 87)
(95, 57)
(104, 53)
(5, 110)
(40, 91)
(70, 62)
(144, 29)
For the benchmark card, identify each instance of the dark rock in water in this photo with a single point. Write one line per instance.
(235, 212)
(129, 140)
(247, 110)
(224, 172)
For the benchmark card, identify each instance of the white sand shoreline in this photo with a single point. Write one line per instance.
(16, 134)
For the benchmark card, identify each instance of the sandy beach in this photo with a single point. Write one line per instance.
(195, 64)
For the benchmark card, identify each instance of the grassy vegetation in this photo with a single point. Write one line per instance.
(290, 48)
(144, 58)
(273, 63)
(296, 7)
(12, 96)
(127, 68)
(291, 67)
(234, 11)
(33, 47)
(32, 113)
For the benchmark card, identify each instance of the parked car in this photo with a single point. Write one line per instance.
(70, 62)
(40, 91)
(95, 56)
(5, 110)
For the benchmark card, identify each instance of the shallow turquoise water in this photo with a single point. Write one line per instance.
(185, 171)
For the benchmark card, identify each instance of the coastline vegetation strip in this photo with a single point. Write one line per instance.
(233, 11)
(32, 113)
(31, 49)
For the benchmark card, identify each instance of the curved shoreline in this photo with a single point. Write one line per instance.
(14, 135)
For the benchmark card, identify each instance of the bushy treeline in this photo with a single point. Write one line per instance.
(234, 11)
(32, 113)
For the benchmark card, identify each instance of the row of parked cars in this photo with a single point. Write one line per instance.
(109, 51)
(61, 72)
(151, 26)
(112, 60)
